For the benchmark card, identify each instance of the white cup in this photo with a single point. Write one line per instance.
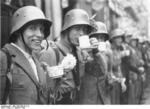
(84, 42)
(102, 46)
(55, 71)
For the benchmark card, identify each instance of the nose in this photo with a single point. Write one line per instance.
(39, 33)
(81, 33)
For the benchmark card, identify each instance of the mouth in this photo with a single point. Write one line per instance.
(36, 41)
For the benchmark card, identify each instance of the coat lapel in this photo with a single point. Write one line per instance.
(21, 60)
(40, 71)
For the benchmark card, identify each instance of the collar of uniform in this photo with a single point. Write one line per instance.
(66, 47)
(25, 53)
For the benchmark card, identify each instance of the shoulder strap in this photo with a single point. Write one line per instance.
(64, 54)
(57, 55)
(8, 83)
(9, 58)
(57, 49)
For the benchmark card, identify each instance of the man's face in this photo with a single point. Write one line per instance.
(76, 32)
(100, 37)
(145, 44)
(118, 41)
(133, 42)
(128, 38)
(33, 36)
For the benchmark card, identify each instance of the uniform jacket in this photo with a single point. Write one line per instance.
(94, 87)
(130, 63)
(69, 81)
(116, 67)
(22, 89)
(146, 56)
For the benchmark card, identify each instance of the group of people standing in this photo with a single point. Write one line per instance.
(113, 70)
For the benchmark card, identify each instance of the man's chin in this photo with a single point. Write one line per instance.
(37, 48)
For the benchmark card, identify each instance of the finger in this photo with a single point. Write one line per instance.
(94, 42)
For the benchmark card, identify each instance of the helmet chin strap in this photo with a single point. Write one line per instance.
(47, 44)
(26, 46)
(70, 40)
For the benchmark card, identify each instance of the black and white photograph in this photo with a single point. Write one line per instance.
(74, 52)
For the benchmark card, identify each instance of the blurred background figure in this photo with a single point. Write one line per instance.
(119, 87)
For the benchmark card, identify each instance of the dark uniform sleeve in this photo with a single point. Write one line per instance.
(3, 74)
(132, 66)
(66, 81)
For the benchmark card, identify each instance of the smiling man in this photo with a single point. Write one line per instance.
(23, 80)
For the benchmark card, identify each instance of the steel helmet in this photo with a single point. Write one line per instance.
(100, 29)
(117, 33)
(135, 36)
(27, 15)
(129, 31)
(76, 17)
(143, 39)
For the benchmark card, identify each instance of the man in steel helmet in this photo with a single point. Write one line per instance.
(76, 24)
(117, 54)
(23, 81)
(138, 62)
(129, 66)
(94, 87)
(146, 56)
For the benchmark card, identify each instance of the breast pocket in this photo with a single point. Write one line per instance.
(19, 79)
